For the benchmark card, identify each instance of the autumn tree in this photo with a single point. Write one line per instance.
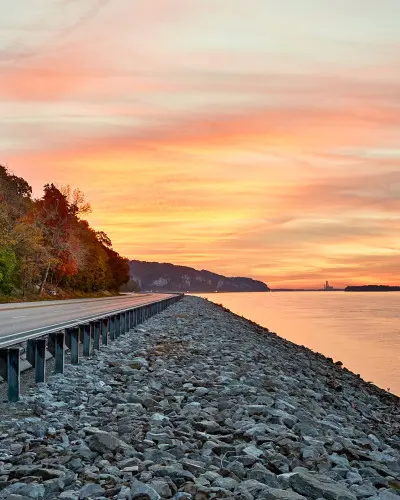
(46, 240)
(57, 220)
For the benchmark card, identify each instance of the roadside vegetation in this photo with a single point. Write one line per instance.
(48, 249)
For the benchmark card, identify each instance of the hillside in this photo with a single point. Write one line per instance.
(169, 277)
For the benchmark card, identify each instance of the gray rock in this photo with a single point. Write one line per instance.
(253, 451)
(387, 495)
(138, 363)
(266, 477)
(124, 493)
(314, 487)
(69, 495)
(277, 494)
(91, 490)
(104, 442)
(141, 491)
(162, 488)
(226, 483)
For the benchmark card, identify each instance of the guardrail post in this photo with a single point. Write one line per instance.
(122, 324)
(40, 360)
(134, 315)
(13, 374)
(96, 335)
(56, 348)
(127, 322)
(30, 351)
(104, 331)
(86, 340)
(9, 370)
(112, 327)
(117, 325)
(133, 318)
(73, 339)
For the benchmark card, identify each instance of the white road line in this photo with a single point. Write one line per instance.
(16, 317)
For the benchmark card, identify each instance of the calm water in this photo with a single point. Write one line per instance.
(360, 329)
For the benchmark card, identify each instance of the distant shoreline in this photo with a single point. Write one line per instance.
(372, 288)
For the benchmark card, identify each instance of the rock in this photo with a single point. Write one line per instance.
(32, 490)
(124, 493)
(69, 495)
(340, 460)
(226, 483)
(178, 411)
(104, 442)
(253, 451)
(277, 494)
(91, 490)
(363, 490)
(141, 491)
(386, 495)
(138, 363)
(265, 477)
(162, 488)
(314, 487)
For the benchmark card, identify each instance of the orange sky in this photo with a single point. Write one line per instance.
(244, 137)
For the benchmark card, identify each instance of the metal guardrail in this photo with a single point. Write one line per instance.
(91, 331)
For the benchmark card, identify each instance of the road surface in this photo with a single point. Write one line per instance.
(23, 317)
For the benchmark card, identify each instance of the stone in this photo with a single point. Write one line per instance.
(104, 442)
(313, 487)
(177, 410)
(162, 488)
(386, 495)
(138, 363)
(266, 477)
(277, 494)
(69, 495)
(141, 491)
(91, 490)
(253, 451)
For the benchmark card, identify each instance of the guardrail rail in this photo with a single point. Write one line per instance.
(91, 331)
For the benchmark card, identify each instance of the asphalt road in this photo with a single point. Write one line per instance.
(23, 317)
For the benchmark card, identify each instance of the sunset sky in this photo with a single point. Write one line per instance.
(254, 138)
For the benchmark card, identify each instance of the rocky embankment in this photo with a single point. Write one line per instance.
(199, 404)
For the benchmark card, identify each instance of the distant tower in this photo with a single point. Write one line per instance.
(327, 285)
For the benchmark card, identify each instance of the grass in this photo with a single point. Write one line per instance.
(61, 295)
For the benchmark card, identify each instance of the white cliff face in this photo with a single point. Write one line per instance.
(160, 282)
(220, 284)
(187, 279)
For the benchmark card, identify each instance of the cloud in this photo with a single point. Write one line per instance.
(198, 145)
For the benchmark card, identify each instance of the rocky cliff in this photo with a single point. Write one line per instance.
(168, 277)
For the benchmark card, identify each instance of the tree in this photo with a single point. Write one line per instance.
(8, 264)
(46, 241)
(33, 256)
(57, 220)
(76, 200)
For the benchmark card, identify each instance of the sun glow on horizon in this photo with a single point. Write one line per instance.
(248, 141)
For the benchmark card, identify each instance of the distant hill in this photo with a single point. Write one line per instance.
(372, 288)
(170, 278)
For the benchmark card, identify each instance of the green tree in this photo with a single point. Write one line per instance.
(8, 264)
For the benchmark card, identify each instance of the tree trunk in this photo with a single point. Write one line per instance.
(44, 279)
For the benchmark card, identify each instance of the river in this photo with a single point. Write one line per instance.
(360, 329)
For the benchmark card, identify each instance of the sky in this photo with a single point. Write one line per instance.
(254, 138)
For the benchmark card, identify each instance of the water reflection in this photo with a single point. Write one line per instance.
(360, 329)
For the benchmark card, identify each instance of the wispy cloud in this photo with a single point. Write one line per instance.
(204, 137)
